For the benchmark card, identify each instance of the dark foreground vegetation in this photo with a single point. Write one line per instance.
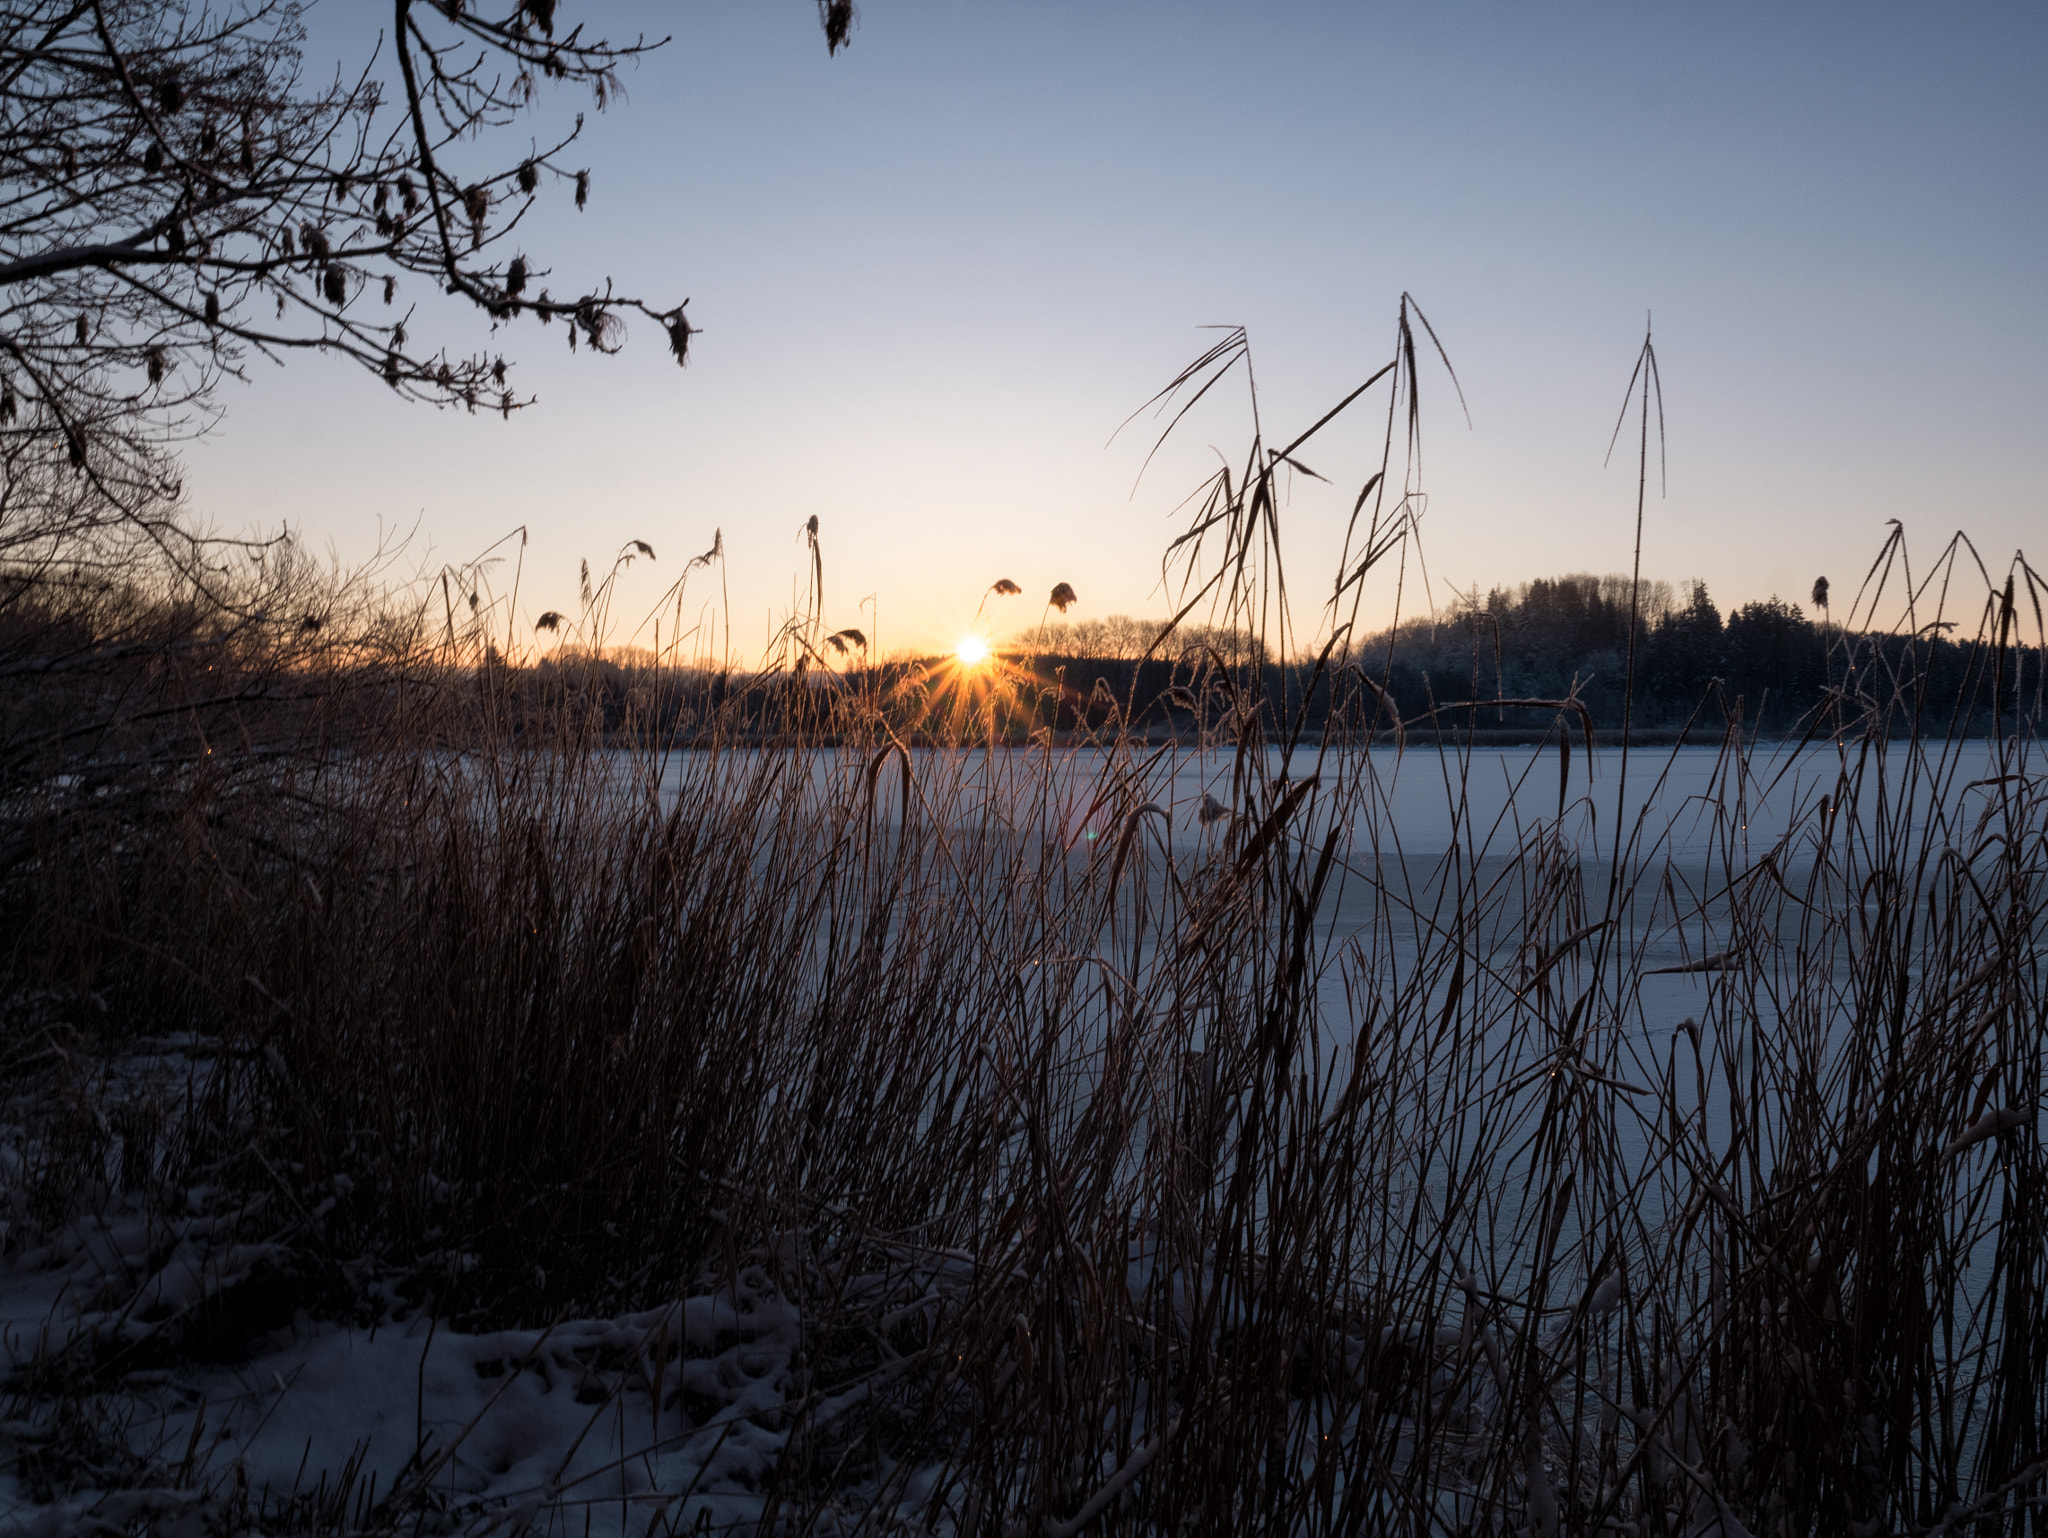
(1096, 1212)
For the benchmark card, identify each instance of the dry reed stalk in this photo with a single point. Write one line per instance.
(1083, 1175)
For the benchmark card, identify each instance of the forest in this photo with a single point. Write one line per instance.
(1567, 637)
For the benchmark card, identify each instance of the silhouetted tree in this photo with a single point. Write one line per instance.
(1685, 653)
(180, 196)
(1773, 659)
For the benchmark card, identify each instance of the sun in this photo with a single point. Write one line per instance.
(972, 651)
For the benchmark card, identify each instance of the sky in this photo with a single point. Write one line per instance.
(936, 272)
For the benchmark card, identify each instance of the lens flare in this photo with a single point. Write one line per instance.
(972, 650)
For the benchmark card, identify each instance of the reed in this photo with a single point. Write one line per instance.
(1099, 1215)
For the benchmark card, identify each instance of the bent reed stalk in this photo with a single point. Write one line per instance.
(1120, 1187)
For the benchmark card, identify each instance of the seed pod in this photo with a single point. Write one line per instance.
(80, 330)
(529, 177)
(9, 406)
(284, 241)
(582, 188)
(476, 202)
(153, 158)
(515, 276)
(543, 13)
(383, 223)
(390, 289)
(335, 286)
(74, 444)
(383, 195)
(209, 137)
(391, 369)
(679, 333)
(316, 244)
(838, 21)
(156, 365)
(68, 161)
(170, 96)
(248, 160)
(498, 371)
(174, 239)
(213, 309)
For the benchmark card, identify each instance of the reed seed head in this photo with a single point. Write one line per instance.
(837, 17)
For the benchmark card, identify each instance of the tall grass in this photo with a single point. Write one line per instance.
(1096, 1201)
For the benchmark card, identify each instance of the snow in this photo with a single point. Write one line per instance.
(534, 1429)
(670, 1419)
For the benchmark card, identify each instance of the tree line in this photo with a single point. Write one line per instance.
(1767, 662)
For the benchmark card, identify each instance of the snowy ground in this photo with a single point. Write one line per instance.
(192, 1366)
(672, 1420)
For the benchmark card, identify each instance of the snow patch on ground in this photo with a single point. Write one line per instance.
(659, 1420)
(671, 1419)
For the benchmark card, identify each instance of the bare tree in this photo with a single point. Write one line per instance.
(176, 196)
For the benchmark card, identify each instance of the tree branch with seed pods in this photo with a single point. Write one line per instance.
(176, 194)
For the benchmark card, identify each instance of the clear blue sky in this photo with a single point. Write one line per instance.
(935, 272)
